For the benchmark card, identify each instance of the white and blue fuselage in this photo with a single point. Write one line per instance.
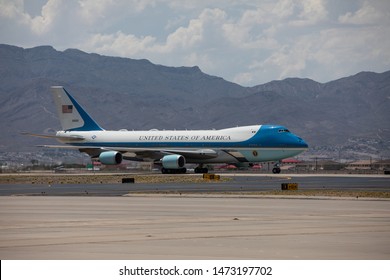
(256, 143)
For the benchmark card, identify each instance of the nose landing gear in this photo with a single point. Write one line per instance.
(276, 169)
(201, 169)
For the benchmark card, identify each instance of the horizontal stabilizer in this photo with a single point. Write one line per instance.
(65, 138)
(58, 147)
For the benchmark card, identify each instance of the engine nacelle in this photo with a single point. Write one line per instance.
(173, 161)
(110, 158)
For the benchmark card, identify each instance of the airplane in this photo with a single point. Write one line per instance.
(172, 149)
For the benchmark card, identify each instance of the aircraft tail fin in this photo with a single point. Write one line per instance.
(72, 116)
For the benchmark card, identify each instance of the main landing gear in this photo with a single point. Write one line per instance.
(183, 170)
(173, 171)
(201, 169)
(276, 169)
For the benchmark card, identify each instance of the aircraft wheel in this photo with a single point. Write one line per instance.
(276, 170)
(201, 170)
(173, 171)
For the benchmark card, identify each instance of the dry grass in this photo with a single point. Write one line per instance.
(45, 179)
(96, 179)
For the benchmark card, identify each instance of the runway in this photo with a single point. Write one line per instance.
(212, 220)
(192, 228)
(237, 183)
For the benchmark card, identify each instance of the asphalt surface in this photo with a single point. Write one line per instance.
(137, 221)
(238, 183)
(163, 227)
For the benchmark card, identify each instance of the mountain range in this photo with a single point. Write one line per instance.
(348, 116)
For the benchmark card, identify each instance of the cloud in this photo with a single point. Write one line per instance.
(118, 44)
(96, 11)
(367, 14)
(13, 10)
(312, 12)
(249, 42)
(93, 10)
(43, 23)
(184, 38)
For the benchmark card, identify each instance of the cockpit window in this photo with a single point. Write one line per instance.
(283, 130)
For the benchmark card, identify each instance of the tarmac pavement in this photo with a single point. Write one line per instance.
(185, 227)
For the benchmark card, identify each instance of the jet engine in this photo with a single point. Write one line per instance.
(110, 158)
(173, 161)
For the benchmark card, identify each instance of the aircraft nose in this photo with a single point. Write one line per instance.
(301, 143)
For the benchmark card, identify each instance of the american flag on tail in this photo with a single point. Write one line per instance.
(67, 109)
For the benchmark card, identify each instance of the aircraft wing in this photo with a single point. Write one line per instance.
(140, 153)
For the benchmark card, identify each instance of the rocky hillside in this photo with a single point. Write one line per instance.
(346, 114)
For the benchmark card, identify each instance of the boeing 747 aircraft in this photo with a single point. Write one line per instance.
(171, 148)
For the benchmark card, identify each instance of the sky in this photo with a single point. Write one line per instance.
(248, 42)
